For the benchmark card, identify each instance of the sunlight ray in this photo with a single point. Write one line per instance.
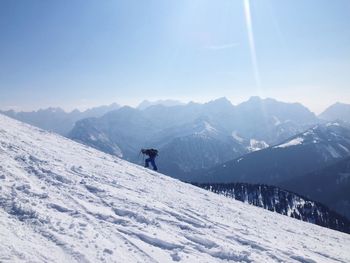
(248, 19)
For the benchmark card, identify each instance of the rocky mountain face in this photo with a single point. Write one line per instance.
(283, 202)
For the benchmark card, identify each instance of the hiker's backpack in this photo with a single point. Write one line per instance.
(153, 152)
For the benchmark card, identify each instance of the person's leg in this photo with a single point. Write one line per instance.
(147, 162)
(154, 164)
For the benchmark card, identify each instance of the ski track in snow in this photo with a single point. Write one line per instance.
(64, 202)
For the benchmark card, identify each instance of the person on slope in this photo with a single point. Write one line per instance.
(152, 154)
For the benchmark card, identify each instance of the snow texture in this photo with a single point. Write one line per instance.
(207, 130)
(293, 142)
(64, 202)
(256, 145)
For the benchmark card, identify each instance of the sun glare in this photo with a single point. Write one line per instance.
(248, 19)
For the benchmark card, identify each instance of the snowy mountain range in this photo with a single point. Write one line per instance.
(61, 201)
(283, 202)
(168, 103)
(311, 150)
(194, 136)
(56, 119)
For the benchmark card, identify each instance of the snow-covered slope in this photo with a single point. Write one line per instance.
(64, 202)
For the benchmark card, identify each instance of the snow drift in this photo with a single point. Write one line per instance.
(64, 202)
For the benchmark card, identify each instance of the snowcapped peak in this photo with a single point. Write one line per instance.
(331, 140)
(62, 201)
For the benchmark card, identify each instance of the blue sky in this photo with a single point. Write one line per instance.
(81, 53)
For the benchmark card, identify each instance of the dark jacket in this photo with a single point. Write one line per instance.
(152, 153)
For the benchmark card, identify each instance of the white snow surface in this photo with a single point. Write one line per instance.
(332, 124)
(256, 145)
(207, 130)
(293, 142)
(64, 202)
(344, 148)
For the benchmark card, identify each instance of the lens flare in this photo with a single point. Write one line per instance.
(248, 19)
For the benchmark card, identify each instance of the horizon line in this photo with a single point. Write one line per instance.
(18, 109)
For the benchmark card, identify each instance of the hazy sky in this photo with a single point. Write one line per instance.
(82, 53)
